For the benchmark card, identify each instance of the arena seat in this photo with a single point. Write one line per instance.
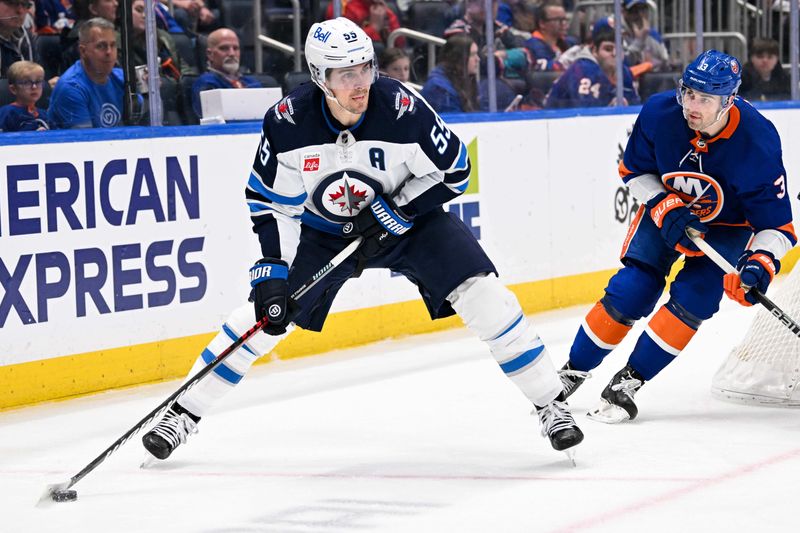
(292, 80)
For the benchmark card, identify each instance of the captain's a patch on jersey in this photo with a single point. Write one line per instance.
(311, 162)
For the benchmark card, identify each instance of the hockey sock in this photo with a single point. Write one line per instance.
(492, 311)
(602, 330)
(230, 372)
(664, 338)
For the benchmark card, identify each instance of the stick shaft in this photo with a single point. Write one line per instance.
(760, 297)
(321, 273)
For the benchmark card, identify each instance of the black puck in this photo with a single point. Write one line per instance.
(65, 495)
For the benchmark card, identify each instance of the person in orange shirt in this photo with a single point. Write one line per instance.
(374, 16)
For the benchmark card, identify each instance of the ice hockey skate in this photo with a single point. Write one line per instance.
(559, 426)
(617, 403)
(170, 432)
(571, 379)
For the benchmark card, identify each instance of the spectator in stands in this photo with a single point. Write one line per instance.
(591, 80)
(523, 22)
(196, 16)
(473, 23)
(763, 77)
(377, 20)
(643, 45)
(16, 41)
(90, 93)
(395, 63)
(26, 82)
(171, 63)
(549, 40)
(84, 10)
(452, 85)
(53, 16)
(223, 56)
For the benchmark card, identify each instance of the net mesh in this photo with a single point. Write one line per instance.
(765, 367)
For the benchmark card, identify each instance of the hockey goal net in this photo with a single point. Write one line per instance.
(765, 368)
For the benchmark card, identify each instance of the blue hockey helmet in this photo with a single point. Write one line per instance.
(713, 72)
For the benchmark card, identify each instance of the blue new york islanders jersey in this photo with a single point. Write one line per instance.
(310, 168)
(17, 118)
(735, 178)
(584, 84)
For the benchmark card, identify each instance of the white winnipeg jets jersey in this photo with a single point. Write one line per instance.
(311, 169)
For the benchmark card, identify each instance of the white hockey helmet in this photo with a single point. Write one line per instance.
(337, 43)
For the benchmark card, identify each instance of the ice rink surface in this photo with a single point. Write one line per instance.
(423, 434)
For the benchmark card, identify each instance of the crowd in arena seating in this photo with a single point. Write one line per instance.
(546, 54)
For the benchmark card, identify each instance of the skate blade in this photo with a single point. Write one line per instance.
(570, 453)
(608, 413)
(148, 461)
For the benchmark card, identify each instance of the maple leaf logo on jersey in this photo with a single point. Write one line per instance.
(403, 102)
(285, 110)
(348, 198)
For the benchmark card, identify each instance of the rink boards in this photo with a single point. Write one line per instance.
(123, 250)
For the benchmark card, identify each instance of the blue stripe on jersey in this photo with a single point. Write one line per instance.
(522, 360)
(225, 372)
(317, 222)
(509, 328)
(463, 159)
(228, 331)
(255, 183)
(260, 207)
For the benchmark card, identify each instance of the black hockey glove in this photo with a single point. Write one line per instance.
(270, 294)
(382, 225)
(673, 218)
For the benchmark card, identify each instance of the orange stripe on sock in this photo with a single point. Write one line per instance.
(604, 327)
(671, 329)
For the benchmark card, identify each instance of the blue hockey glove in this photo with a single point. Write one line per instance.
(382, 225)
(754, 269)
(673, 218)
(270, 294)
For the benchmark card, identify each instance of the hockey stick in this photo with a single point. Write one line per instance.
(728, 268)
(60, 492)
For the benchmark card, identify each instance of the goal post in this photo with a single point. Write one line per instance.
(765, 368)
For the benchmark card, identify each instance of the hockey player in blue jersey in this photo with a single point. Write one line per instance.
(709, 162)
(358, 155)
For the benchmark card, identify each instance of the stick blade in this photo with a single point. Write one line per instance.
(57, 492)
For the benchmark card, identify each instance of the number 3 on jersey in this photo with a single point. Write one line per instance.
(440, 135)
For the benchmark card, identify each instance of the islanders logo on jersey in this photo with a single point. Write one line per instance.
(700, 192)
(340, 196)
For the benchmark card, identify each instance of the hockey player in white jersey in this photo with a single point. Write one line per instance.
(357, 155)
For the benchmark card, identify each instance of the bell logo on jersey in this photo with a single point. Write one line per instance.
(700, 192)
(285, 110)
(311, 162)
(403, 103)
